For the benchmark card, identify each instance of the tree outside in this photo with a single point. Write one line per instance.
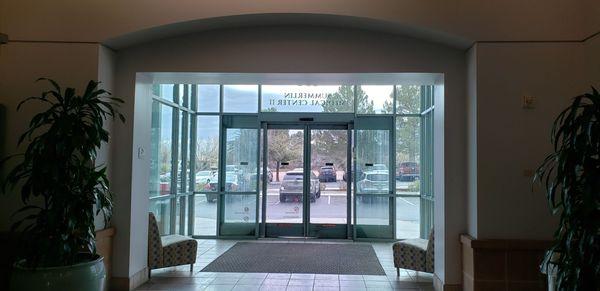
(330, 145)
(284, 146)
(408, 129)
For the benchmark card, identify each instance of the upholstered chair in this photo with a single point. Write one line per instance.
(414, 254)
(169, 250)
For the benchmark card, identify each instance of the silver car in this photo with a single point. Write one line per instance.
(373, 182)
(291, 186)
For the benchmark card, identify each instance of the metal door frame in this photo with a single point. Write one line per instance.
(387, 232)
(307, 128)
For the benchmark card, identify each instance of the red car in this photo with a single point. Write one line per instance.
(408, 168)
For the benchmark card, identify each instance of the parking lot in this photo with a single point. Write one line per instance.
(330, 207)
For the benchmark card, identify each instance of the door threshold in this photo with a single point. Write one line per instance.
(300, 238)
(297, 237)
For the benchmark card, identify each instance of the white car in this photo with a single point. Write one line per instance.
(204, 177)
(374, 182)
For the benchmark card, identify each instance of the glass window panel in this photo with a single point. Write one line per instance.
(161, 209)
(180, 153)
(241, 158)
(372, 210)
(285, 159)
(208, 98)
(328, 163)
(186, 215)
(375, 99)
(161, 149)
(239, 208)
(372, 161)
(301, 98)
(408, 217)
(260, 170)
(168, 91)
(428, 99)
(189, 157)
(408, 99)
(185, 91)
(207, 153)
(408, 155)
(205, 214)
(179, 93)
(181, 213)
(164, 91)
(240, 98)
(156, 90)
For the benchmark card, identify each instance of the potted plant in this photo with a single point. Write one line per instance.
(571, 177)
(62, 190)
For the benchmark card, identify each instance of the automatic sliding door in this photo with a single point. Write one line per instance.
(284, 208)
(374, 197)
(329, 163)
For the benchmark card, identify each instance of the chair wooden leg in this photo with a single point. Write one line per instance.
(398, 272)
(191, 268)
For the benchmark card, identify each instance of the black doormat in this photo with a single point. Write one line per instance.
(311, 258)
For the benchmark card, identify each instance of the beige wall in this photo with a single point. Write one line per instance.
(293, 49)
(500, 148)
(106, 72)
(20, 65)
(592, 60)
(512, 141)
(96, 21)
(472, 112)
(592, 21)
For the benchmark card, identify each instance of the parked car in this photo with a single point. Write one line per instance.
(165, 183)
(345, 176)
(373, 182)
(203, 178)
(291, 186)
(232, 168)
(360, 171)
(377, 167)
(359, 174)
(327, 174)
(231, 185)
(269, 175)
(407, 168)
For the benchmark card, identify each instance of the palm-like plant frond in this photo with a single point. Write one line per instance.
(58, 168)
(571, 177)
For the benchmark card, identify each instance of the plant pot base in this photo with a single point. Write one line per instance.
(84, 276)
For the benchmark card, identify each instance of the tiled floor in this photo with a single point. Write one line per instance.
(180, 278)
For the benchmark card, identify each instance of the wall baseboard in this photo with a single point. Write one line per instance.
(438, 285)
(129, 283)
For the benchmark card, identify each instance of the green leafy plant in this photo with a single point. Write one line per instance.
(571, 177)
(56, 176)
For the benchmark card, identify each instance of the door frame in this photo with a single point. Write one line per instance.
(235, 230)
(366, 232)
(306, 227)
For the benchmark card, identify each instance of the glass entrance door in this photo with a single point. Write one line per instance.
(374, 198)
(283, 204)
(328, 216)
(304, 178)
(237, 180)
